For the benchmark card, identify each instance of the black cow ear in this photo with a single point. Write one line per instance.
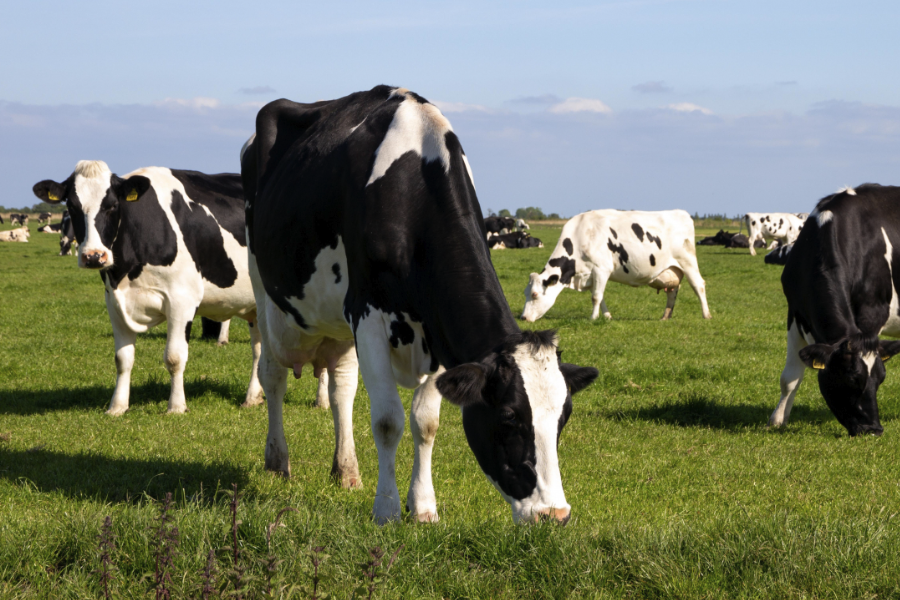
(816, 356)
(888, 349)
(131, 189)
(577, 378)
(49, 191)
(463, 385)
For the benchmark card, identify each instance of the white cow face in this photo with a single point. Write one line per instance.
(541, 293)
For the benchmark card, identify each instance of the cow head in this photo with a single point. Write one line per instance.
(515, 403)
(544, 287)
(850, 372)
(93, 195)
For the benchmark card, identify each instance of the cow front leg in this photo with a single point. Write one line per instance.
(387, 411)
(599, 278)
(343, 380)
(124, 340)
(254, 390)
(791, 377)
(175, 358)
(273, 378)
(671, 295)
(424, 419)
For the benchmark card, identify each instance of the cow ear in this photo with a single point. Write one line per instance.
(49, 191)
(816, 356)
(888, 349)
(577, 378)
(463, 385)
(131, 189)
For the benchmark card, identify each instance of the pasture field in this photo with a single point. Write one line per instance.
(678, 489)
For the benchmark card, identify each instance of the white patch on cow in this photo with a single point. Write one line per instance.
(824, 217)
(545, 387)
(410, 363)
(869, 359)
(247, 145)
(892, 325)
(322, 305)
(846, 190)
(418, 128)
(468, 170)
(92, 180)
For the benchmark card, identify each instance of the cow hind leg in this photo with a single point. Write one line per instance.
(254, 389)
(791, 377)
(599, 279)
(424, 419)
(692, 271)
(175, 358)
(671, 295)
(223, 333)
(273, 378)
(124, 339)
(323, 393)
(343, 379)
(387, 412)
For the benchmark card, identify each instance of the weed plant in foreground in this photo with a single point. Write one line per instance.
(677, 487)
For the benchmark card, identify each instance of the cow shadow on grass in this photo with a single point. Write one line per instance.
(117, 479)
(97, 398)
(703, 412)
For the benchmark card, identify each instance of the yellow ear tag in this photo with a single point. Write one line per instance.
(53, 197)
(818, 365)
(132, 196)
(885, 358)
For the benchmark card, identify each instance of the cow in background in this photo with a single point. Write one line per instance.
(782, 228)
(15, 235)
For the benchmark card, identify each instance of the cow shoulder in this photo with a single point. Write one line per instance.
(222, 194)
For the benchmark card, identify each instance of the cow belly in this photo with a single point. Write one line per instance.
(222, 304)
(639, 273)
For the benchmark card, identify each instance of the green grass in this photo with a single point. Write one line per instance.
(678, 489)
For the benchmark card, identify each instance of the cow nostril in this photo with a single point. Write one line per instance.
(559, 515)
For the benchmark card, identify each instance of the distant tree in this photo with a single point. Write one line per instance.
(50, 208)
(554, 216)
(504, 213)
(532, 213)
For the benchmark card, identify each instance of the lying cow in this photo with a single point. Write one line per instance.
(15, 235)
(841, 291)
(498, 225)
(633, 247)
(521, 225)
(51, 228)
(516, 239)
(781, 228)
(374, 234)
(133, 231)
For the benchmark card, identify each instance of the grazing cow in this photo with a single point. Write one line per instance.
(15, 235)
(516, 239)
(67, 239)
(20, 219)
(521, 225)
(841, 288)
(779, 227)
(45, 217)
(633, 247)
(168, 245)
(498, 225)
(779, 255)
(364, 225)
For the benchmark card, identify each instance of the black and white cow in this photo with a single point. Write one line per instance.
(15, 235)
(516, 239)
(20, 219)
(521, 225)
(67, 238)
(781, 228)
(841, 289)
(169, 245)
(51, 228)
(654, 248)
(364, 226)
(45, 217)
(498, 225)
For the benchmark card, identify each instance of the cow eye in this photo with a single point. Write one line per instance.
(507, 416)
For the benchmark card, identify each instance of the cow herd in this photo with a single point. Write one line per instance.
(353, 241)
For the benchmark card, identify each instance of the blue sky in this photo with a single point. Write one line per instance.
(711, 106)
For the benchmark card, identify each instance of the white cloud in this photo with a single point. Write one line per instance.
(457, 107)
(199, 102)
(688, 107)
(572, 105)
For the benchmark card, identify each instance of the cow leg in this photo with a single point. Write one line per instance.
(671, 295)
(323, 397)
(387, 411)
(124, 339)
(342, 380)
(223, 333)
(752, 242)
(791, 377)
(254, 390)
(175, 358)
(424, 419)
(273, 377)
(599, 279)
(691, 270)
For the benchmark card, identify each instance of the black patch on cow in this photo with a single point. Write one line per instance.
(567, 244)
(652, 261)
(754, 222)
(566, 266)
(613, 231)
(653, 239)
(638, 231)
(187, 331)
(618, 249)
(336, 269)
(401, 332)
(204, 241)
(624, 268)
(222, 194)
(552, 280)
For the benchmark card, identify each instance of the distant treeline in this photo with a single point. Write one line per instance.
(532, 213)
(37, 208)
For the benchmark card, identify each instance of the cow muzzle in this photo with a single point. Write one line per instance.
(559, 516)
(94, 259)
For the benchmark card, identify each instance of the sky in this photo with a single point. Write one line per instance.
(712, 106)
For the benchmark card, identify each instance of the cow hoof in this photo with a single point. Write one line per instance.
(117, 411)
(255, 401)
(773, 422)
(427, 517)
(179, 410)
(382, 521)
(283, 472)
(221, 343)
(348, 482)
